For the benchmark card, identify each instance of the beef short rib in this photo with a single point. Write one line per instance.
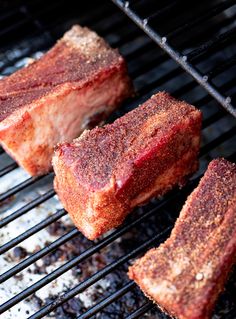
(105, 173)
(185, 275)
(73, 86)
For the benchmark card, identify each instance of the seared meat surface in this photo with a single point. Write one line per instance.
(185, 275)
(104, 174)
(73, 86)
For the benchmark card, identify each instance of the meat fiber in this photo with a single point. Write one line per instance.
(105, 173)
(72, 87)
(185, 275)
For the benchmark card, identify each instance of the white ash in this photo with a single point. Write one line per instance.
(25, 278)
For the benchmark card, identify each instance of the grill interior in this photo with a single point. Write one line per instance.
(48, 269)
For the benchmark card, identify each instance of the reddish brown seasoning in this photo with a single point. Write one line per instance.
(62, 64)
(106, 172)
(81, 76)
(185, 275)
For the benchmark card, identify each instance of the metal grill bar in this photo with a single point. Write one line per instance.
(97, 276)
(185, 88)
(141, 311)
(225, 136)
(8, 169)
(212, 119)
(8, 14)
(162, 58)
(163, 10)
(181, 91)
(37, 201)
(219, 8)
(33, 230)
(59, 271)
(144, 89)
(13, 27)
(96, 15)
(222, 138)
(31, 180)
(181, 60)
(33, 258)
(144, 46)
(214, 71)
(224, 23)
(184, 42)
(107, 301)
(51, 193)
(221, 68)
(19, 187)
(101, 244)
(213, 43)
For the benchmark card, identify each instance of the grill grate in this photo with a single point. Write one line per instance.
(152, 70)
(186, 59)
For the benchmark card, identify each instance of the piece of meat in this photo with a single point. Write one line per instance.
(74, 86)
(185, 275)
(106, 172)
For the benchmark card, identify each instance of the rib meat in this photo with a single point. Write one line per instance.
(106, 172)
(72, 87)
(185, 275)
